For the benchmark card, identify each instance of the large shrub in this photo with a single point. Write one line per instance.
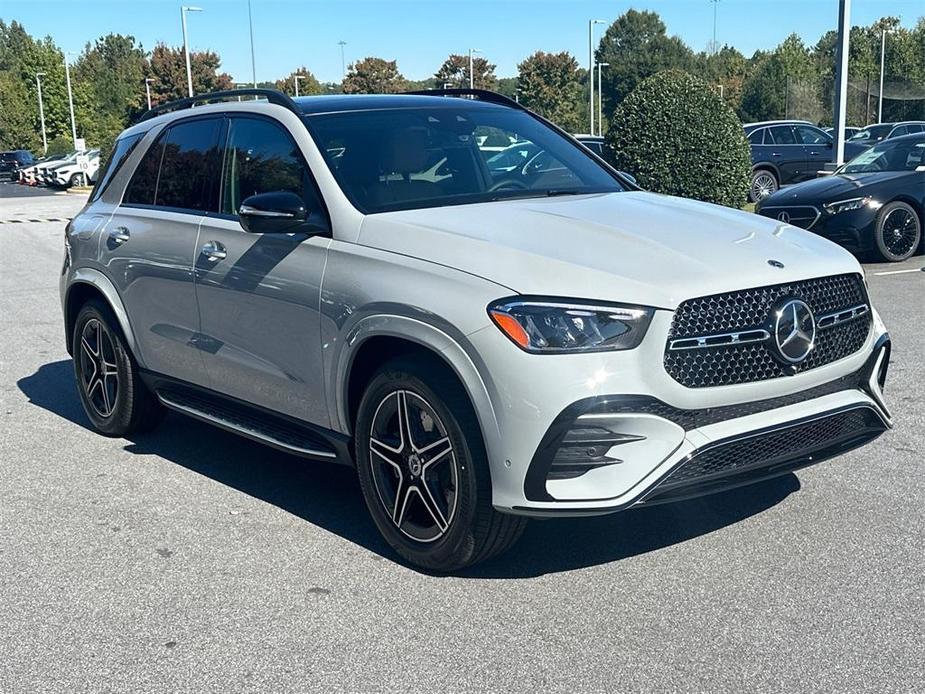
(677, 136)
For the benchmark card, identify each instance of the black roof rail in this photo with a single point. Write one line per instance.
(480, 94)
(274, 96)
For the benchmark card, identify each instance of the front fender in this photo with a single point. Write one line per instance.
(463, 362)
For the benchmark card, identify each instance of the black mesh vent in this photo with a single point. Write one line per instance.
(771, 448)
(751, 309)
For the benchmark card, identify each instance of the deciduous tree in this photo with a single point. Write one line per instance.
(455, 73)
(549, 83)
(373, 76)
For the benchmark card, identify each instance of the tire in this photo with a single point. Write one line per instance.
(74, 180)
(897, 232)
(118, 403)
(450, 480)
(763, 184)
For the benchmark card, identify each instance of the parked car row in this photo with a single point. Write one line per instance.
(57, 171)
(791, 151)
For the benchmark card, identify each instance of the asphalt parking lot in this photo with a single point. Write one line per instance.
(190, 560)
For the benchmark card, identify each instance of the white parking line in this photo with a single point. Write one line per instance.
(899, 272)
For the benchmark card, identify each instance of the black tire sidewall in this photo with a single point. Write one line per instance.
(457, 546)
(120, 420)
(884, 252)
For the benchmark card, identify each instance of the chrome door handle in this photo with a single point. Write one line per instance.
(213, 251)
(119, 235)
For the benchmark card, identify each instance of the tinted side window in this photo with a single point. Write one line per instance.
(899, 131)
(190, 168)
(120, 152)
(811, 136)
(143, 185)
(261, 158)
(757, 136)
(782, 135)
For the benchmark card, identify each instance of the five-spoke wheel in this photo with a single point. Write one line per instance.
(99, 374)
(423, 468)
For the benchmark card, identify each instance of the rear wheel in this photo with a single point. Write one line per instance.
(108, 383)
(423, 469)
(75, 180)
(763, 184)
(897, 232)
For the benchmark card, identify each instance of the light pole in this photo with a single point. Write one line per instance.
(148, 82)
(882, 59)
(250, 21)
(713, 48)
(591, 24)
(189, 72)
(343, 65)
(841, 78)
(600, 99)
(38, 84)
(471, 69)
(296, 78)
(70, 100)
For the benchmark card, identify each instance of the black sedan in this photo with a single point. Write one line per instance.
(873, 204)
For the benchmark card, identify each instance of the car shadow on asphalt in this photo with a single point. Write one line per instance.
(327, 495)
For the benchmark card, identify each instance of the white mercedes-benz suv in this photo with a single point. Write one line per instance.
(350, 279)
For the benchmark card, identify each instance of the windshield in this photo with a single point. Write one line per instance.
(873, 133)
(398, 159)
(905, 154)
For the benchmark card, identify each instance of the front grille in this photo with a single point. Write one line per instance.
(793, 446)
(750, 310)
(803, 216)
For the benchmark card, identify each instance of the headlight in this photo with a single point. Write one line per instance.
(554, 327)
(851, 204)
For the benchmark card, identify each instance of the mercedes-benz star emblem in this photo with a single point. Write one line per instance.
(783, 217)
(794, 330)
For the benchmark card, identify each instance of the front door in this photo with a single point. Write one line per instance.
(259, 294)
(149, 244)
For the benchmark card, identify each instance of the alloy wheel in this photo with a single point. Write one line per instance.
(900, 232)
(414, 467)
(763, 185)
(99, 374)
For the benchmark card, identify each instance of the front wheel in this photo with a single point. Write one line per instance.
(763, 184)
(897, 232)
(423, 469)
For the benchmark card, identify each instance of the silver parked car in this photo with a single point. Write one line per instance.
(346, 279)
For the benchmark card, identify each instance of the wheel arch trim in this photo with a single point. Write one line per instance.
(429, 337)
(96, 279)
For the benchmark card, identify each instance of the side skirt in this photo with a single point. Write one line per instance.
(279, 431)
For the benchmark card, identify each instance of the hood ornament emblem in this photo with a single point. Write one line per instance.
(776, 263)
(784, 217)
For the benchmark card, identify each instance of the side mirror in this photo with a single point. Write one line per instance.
(279, 212)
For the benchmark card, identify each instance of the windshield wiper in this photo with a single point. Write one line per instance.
(550, 193)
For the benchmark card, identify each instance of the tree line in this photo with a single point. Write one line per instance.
(792, 80)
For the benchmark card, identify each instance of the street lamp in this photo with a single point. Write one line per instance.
(148, 82)
(882, 58)
(713, 46)
(189, 72)
(591, 24)
(471, 71)
(600, 99)
(343, 65)
(296, 78)
(38, 84)
(70, 99)
(250, 22)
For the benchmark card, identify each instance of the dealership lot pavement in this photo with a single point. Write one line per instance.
(189, 560)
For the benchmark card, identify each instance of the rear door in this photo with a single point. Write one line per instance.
(818, 147)
(149, 244)
(787, 153)
(259, 295)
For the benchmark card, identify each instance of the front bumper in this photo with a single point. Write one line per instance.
(852, 230)
(664, 453)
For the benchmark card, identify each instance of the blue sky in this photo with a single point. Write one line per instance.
(421, 33)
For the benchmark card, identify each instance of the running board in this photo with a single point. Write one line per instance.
(255, 426)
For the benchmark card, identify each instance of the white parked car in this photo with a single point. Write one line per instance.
(72, 172)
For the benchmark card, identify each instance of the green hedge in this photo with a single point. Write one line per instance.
(677, 136)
